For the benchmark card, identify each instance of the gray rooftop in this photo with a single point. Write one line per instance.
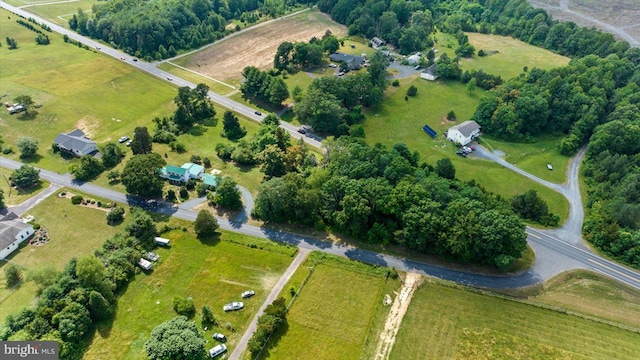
(342, 57)
(9, 228)
(73, 140)
(466, 128)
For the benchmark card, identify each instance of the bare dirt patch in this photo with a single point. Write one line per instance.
(257, 46)
(396, 313)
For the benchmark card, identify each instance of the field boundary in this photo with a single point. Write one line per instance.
(197, 73)
(538, 305)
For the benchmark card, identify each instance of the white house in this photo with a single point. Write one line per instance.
(75, 143)
(377, 43)
(12, 233)
(464, 133)
(194, 171)
(174, 173)
(429, 73)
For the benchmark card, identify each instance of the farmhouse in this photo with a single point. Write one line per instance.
(377, 43)
(352, 61)
(182, 174)
(75, 143)
(464, 133)
(429, 73)
(12, 233)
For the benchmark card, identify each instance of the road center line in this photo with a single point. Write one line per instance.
(614, 270)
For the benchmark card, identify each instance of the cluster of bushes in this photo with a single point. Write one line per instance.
(293, 56)
(41, 38)
(263, 86)
(530, 206)
(273, 318)
(11, 43)
(69, 40)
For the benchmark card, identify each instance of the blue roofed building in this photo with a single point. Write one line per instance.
(175, 174)
(193, 170)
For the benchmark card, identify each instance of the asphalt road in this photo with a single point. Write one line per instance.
(153, 70)
(552, 255)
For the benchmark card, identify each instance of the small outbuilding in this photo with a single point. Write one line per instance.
(145, 264)
(464, 133)
(413, 59)
(429, 73)
(377, 43)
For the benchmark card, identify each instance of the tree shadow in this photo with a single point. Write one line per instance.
(274, 340)
(25, 116)
(34, 159)
(212, 240)
(197, 130)
(210, 122)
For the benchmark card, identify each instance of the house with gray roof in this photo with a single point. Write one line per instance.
(12, 233)
(429, 73)
(353, 62)
(464, 133)
(76, 143)
(377, 43)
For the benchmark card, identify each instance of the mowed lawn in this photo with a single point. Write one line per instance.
(74, 230)
(333, 315)
(446, 323)
(213, 272)
(14, 196)
(58, 13)
(398, 120)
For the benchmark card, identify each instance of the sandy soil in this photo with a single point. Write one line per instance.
(396, 313)
(257, 46)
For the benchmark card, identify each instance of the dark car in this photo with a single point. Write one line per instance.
(258, 113)
(461, 153)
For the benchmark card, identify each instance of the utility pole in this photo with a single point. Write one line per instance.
(8, 183)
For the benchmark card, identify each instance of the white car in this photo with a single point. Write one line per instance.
(169, 78)
(220, 337)
(123, 139)
(236, 305)
(247, 294)
(153, 256)
(217, 350)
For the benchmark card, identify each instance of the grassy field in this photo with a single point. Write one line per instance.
(200, 79)
(257, 46)
(398, 120)
(335, 314)
(14, 196)
(75, 231)
(593, 294)
(106, 104)
(511, 57)
(444, 322)
(212, 272)
(58, 13)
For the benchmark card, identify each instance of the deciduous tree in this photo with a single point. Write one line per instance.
(175, 339)
(28, 146)
(25, 176)
(140, 175)
(206, 224)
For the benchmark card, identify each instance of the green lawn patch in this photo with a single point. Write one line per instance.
(449, 322)
(75, 231)
(213, 272)
(54, 12)
(398, 120)
(334, 313)
(15, 196)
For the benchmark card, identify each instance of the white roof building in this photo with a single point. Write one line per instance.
(464, 133)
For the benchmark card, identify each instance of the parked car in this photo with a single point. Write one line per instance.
(549, 166)
(123, 139)
(217, 350)
(129, 142)
(219, 337)
(247, 294)
(332, 65)
(153, 256)
(236, 305)
(467, 149)
(461, 153)
(16, 108)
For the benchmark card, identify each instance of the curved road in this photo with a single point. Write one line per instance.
(552, 254)
(153, 70)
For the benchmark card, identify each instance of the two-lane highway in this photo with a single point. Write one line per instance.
(153, 70)
(544, 268)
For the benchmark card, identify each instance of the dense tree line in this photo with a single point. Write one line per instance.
(612, 170)
(274, 317)
(156, 30)
(382, 195)
(405, 24)
(73, 301)
(570, 100)
(263, 86)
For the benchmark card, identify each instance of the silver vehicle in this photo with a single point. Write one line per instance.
(217, 350)
(247, 294)
(236, 305)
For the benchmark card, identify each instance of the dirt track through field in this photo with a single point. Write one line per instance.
(396, 313)
(257, 47)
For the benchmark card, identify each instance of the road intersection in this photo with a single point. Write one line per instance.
(553, 255)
